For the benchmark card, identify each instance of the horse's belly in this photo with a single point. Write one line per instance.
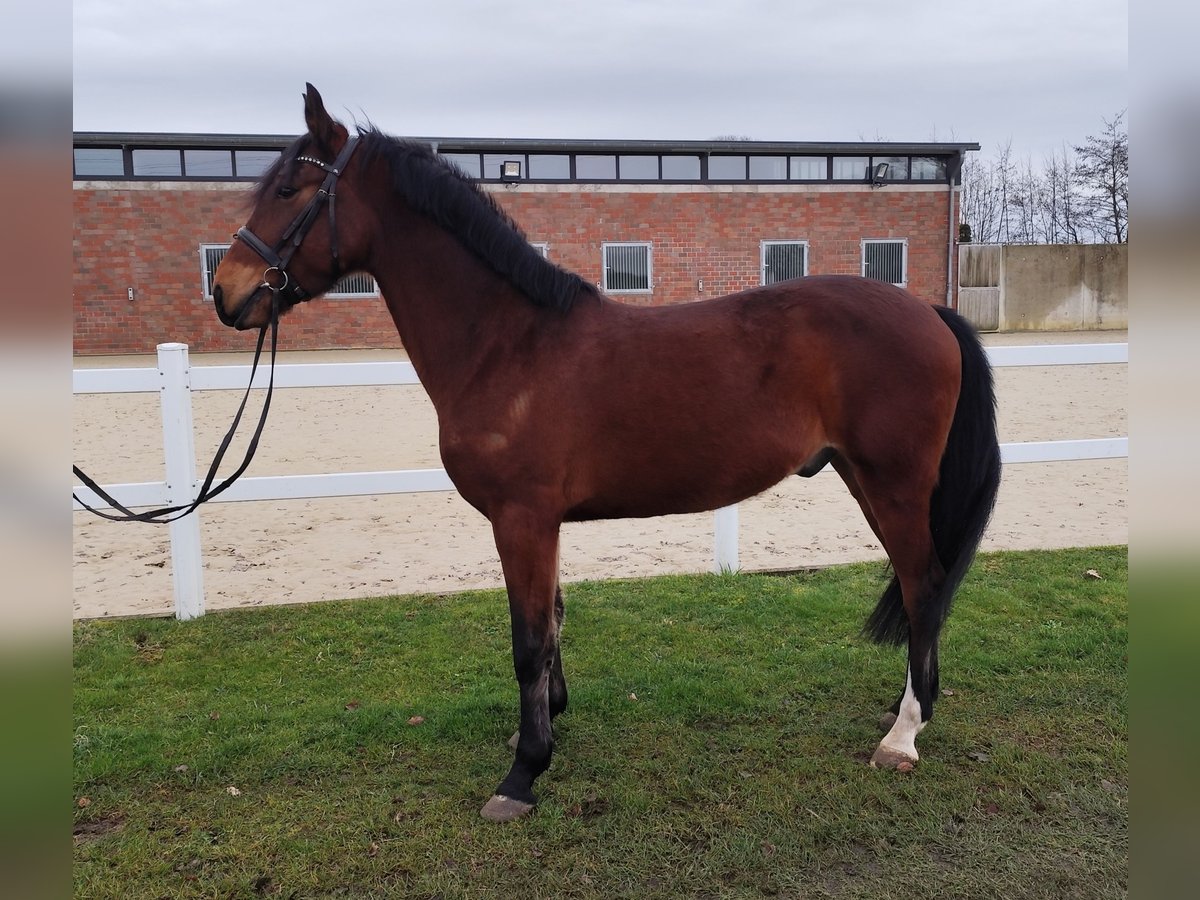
(677, 487)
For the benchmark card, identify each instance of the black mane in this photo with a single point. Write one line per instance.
(439, 190)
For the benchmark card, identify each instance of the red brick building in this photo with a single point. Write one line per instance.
(649, 222)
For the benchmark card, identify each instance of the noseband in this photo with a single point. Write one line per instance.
(285, 286)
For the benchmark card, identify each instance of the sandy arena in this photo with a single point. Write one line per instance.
(263, 553)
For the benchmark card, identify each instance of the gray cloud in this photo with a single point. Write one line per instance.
(1038, 73)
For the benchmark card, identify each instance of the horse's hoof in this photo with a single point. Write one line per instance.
(886, 721)
(887, 758)
(504, 809)
(512, 741)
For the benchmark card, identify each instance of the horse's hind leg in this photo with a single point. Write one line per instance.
(900, 508)
(528, 546)
(846, 472)
(558, 682)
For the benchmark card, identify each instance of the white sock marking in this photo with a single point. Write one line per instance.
(903, 736)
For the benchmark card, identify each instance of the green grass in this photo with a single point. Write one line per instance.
(740, 769)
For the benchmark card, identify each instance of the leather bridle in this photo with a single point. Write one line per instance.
(286, 291)
(276, 277)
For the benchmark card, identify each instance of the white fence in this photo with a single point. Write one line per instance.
(175, 379)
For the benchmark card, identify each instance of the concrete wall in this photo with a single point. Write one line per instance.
(147, 236)
(1044, 287)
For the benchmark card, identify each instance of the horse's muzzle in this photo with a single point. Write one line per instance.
(237, 318)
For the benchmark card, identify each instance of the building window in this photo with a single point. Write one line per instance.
(157, 163)
(541, 247)
(92, 162)
(897, 167)
(210, 257)
(851, 168)
(252, 163)
(727, 168)
(213, 163)
(627, 268)
(638, 168)
(595, 168)
(550, 166)
(928, 168)
(808, 168)
(886, 261)
(782, 260)
(356, 284)
(768, 168)
(681, 168)
(467, 163)
(493, 163)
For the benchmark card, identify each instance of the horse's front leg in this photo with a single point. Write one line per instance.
(528, 546)
(558, 682)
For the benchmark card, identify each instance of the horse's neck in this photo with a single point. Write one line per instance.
(452, 312)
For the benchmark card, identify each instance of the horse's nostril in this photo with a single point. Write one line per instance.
(217, 292)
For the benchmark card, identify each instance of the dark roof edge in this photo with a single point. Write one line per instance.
(527, 145)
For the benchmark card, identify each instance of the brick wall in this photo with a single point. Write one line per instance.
(147, 237)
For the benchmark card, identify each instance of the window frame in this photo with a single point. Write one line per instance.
(560, 164)
(863, 178)
(762, 257)
(206, 282)
(649, 247)
(92, 176)
(903, 242)
(353, 295)
(205, 275)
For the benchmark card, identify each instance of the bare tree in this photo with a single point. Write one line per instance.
(981, 200)
(1025, 201)
(1066, 217)
(1103, 170)
(1004, 171)
(1078, 195)
(1055, 200)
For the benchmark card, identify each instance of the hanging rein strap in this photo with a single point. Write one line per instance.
(207, 492)
(288, 290)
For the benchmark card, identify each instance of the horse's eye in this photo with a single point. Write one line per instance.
(284, 192)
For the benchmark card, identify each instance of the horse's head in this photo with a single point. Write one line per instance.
(298, 240)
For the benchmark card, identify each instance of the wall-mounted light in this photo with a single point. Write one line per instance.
(510, 170)
(879, 176)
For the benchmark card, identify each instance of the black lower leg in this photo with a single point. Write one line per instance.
(534, 662)
(930, 678)
(558, 683)
(923, 669)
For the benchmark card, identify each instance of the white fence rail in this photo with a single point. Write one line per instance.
(174, 379)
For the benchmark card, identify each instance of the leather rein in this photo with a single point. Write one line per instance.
(287, 289)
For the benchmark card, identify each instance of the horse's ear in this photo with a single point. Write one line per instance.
(329, 134)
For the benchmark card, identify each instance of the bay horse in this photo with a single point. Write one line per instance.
(557, 404)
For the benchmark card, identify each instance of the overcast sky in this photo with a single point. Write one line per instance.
(1038, 72)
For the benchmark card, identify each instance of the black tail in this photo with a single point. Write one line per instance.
(962, 502)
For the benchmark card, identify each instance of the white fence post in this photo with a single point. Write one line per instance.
(179, 448)
(725, 539)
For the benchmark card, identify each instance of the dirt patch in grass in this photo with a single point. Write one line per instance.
(92, 829)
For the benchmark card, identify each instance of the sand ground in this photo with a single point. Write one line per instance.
(260, 553)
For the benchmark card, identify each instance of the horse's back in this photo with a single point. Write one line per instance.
(828, 338)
